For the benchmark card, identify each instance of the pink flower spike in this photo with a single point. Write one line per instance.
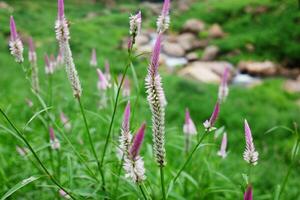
(13, 29)
(126, 118)
(126, 88)
(189, 126)
(222, 151)
(208, 124)
(65, 120)
(54, 142)
(102, 82)
(223, 88)
(107, 67)
(250, 154)
(63, 194)
(48, 65)
(248, 194)
(155, 55)
(61, 8)
(137, 141)
(51, 133)
(166, 8)
(31, 45)
(93, 61)
(22, 151)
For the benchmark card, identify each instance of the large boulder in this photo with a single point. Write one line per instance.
(266, 68)
(209, 72)
(193, 26)
(292, 86)
(173, 49)
(188, 41)
(216, 31)
(210, 53)
(201, 74)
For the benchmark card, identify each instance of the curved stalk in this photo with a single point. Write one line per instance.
(52, 178)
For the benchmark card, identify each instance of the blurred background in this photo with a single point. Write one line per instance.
(259, 40)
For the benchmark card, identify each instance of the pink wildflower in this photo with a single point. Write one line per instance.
(209, 124)
(15, 43)
(250, 155)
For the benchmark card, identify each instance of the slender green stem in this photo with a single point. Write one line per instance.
(162, 181)
(118, 177)
(52, 178)
(189, 157)
(294, 153)
(115, 110)
(143, 192)
(50, 89)
(249, 173)
(91, 143)
(81, 159)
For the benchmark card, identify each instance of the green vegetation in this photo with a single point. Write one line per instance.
(274, 35)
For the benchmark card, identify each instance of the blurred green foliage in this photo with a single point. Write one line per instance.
(275, 37)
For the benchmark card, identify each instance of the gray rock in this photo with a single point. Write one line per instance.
(192, 56)
(266, 68)
(216, 31)
(187, 41)
(173, 49)
(194, 26)
(210, 53)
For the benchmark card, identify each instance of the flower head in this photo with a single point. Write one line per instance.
(157, 102)
(63, 36)
(93, 61)
(48, 65)
(15, 44)
(102, 82)
(250, 155)
(63, 194)
(59, 59)
(126, 88)
(137, 141)
(65, 120)
(209, 124)
(135, 22)
(155, 56)
(54, 142)
(133, 163)
(222, 151)
(31, 54)
(189, 126)
(29, 102)
(22, 151)
(248, 194)
(107, 70)
(125, 137)
(223, 88)
(163, 20)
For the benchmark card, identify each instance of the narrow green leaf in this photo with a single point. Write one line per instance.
(20, 185)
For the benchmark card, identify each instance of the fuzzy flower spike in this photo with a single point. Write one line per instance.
(163, 21)
(248, 194)
(102, 81)
(63, 36)
(209, 124)
(48, 66)
(222, 151)
(250, 155)
(157, 102)
(135, 22)
(54, 142)
(15, 43)
(223, 88)
(125, 137)
(93, 61)
(34, 69)
(133, 163)
(189, 126)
